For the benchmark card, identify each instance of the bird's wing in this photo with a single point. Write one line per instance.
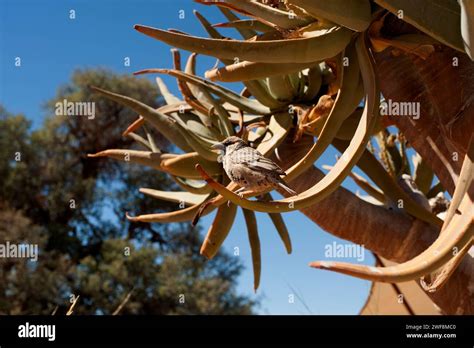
(254, 160)
(260, 162)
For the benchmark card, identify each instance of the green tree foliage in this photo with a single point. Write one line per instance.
(73, 207)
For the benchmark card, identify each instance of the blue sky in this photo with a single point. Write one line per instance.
(51, 46)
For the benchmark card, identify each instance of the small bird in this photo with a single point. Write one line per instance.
(249, 168)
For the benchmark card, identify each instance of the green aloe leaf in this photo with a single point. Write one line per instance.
(245, 71)
(218, 230)
(181, 215)
(246, 24)
(161, 122)
(423, 176)
(194, 124)
(164, 91)
(229, 96)
(139, 139)
(315, 80)
(193, 186)
(280, 226)
(245, 33)
(278, 128)
(311, 47)
(183, 165)
(282, 230)
(465, 180)
(282, 19)
(353, 14)
(255, 87)
(177, 197)
(344, 105)
(281, 88)
(254, 240)
(145, 158)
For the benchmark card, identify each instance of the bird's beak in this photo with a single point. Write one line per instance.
(218, 146)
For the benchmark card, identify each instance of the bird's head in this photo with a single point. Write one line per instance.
(230, 142)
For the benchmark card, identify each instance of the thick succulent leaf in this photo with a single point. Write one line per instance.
(181, 215)
(201, 145)
(441, 19)
(142, 141)
(207, 99)
(256, 136)
(465, 181)
(353, 14)
(438, 279)
(181, 106)
(259, 90)
(349, 126)
(342, 168)
(283, 19)
(467, 26)
(281, 88)
(223, 115)
(297, 80)
(343, 107)
(198, 105)
(254, 241)
(458, 235)
(135, 125)
(161, 122)
(190, 69)
(281, 228)
(183, 165)
(192, 186)
(423, 176)
(312, 47)
(231, 97)
(194, 124)
(164, 91)
(185, 109)
(207, 26)
(219, 230)
(278, 128)
(315, 80)
(145, 158)
(255, 87)
(245, 33)
(177, 197)
(151, 140)
(247, 24)
(245, 71)
(178, 165)
(248, 119)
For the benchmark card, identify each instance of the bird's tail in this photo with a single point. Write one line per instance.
(286, 188)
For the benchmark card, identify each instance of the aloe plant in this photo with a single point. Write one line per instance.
(306, 67)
